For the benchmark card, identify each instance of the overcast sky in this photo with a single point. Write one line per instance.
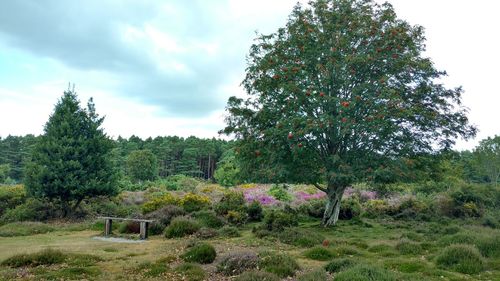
(168, 67)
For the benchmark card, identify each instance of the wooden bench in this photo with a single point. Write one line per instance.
(108, 223)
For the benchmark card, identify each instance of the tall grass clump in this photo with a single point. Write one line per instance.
(461, 258)
(364, 272)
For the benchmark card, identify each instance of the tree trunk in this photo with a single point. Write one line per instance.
(331, 215)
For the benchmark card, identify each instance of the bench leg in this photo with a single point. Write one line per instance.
(108, 227)
(144, 230)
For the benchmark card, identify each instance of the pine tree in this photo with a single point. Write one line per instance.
(72, 160)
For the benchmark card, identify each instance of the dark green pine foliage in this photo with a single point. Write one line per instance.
(142, 165)
(338, 94)
(72, 160)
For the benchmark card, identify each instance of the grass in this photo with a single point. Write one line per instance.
(318, 253)
(24, 229)
(461, 258)
(372, 250)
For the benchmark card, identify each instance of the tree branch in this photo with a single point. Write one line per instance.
(319, 187)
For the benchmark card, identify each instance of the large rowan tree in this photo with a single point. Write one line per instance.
(337, 94)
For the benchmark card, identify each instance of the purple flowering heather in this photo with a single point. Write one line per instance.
(303, 196)
(260, 196)
(366, 195)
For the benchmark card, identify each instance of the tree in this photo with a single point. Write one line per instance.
(142, 165)
(487, 158)
(72, 159)
(337, 95)
(227, 173)
(4, 172)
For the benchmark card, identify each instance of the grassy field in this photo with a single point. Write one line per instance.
(408, 249)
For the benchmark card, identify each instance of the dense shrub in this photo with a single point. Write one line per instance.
(229, 231)
(31, 210)
(279, 264)
(318, 253)
(461, 258)
(180, 227)
(350, 208)
(179, 182)
(230, 201)
(208, 218)
(363, 272)
(24, 229)
(238, 262)
(254, 211)
(314, 208)
(491, 221)
(165, 214)
(412, 207)
(279, 192)
(236, 217)
(129, 227)
(300, 237)
(191, 272)
(338, 265)
(102, 206)
(200, 253)
(375, 208)
(406, 247)
(44, 257)
(11, 196)
(277, 220)
(206, 233)
(316, 275)
(257, 276)
(194, 202)
(158, 202)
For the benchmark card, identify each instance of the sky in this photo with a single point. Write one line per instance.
(168, 67)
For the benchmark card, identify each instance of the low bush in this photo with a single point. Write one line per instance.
(375, 208)
(112, 207)
(316, 275)
(254, 211)
(280, 264)
(318, 253)
(338, 265)
(236, 217)
(461, 258)
(31, 210)
(200, 253)
(191, 202)
(278, 220)
(238, 262)
(491, 221)
(208, 218)
(229, 232)
(345, 250)
(180, 227)
(206, 233)
(406, 247)
(155, 269)
(11, 196)
(362, 272)
(24, 229)
(44, 257)
(165, 214)
(191, 272)
(350, 208)
(300, 237)
(129, 227)
(279, 192)
(158, 202)
(314, 208)
(257, 276)
(156, 228)
(230, 201)
(488, 245)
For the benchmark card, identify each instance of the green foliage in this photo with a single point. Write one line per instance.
(236, 217)
(237, 262)
(230, 201)
(4, 172)
(364, 272)
(279, 192)
(279, 264)
(488, 245)
(227, 172)
(229, 231)
(278, 220)
(200, 253)
(350, 208)
(316, 275)
(300, 237)
(257, 276)
(254, 211)
(406, 247)
(487, 158)
(142, 165)
(72, 159)
(11, 196)
(206, 233)
(314, 208)
(44, 257)
(338, 265)
(191, 272)
(318, 253)
(31, 210)
(192, 202)
(208, 218)
(165, 214)
(461, 258)
(300, 123)
(24, 229)
(180, 227)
